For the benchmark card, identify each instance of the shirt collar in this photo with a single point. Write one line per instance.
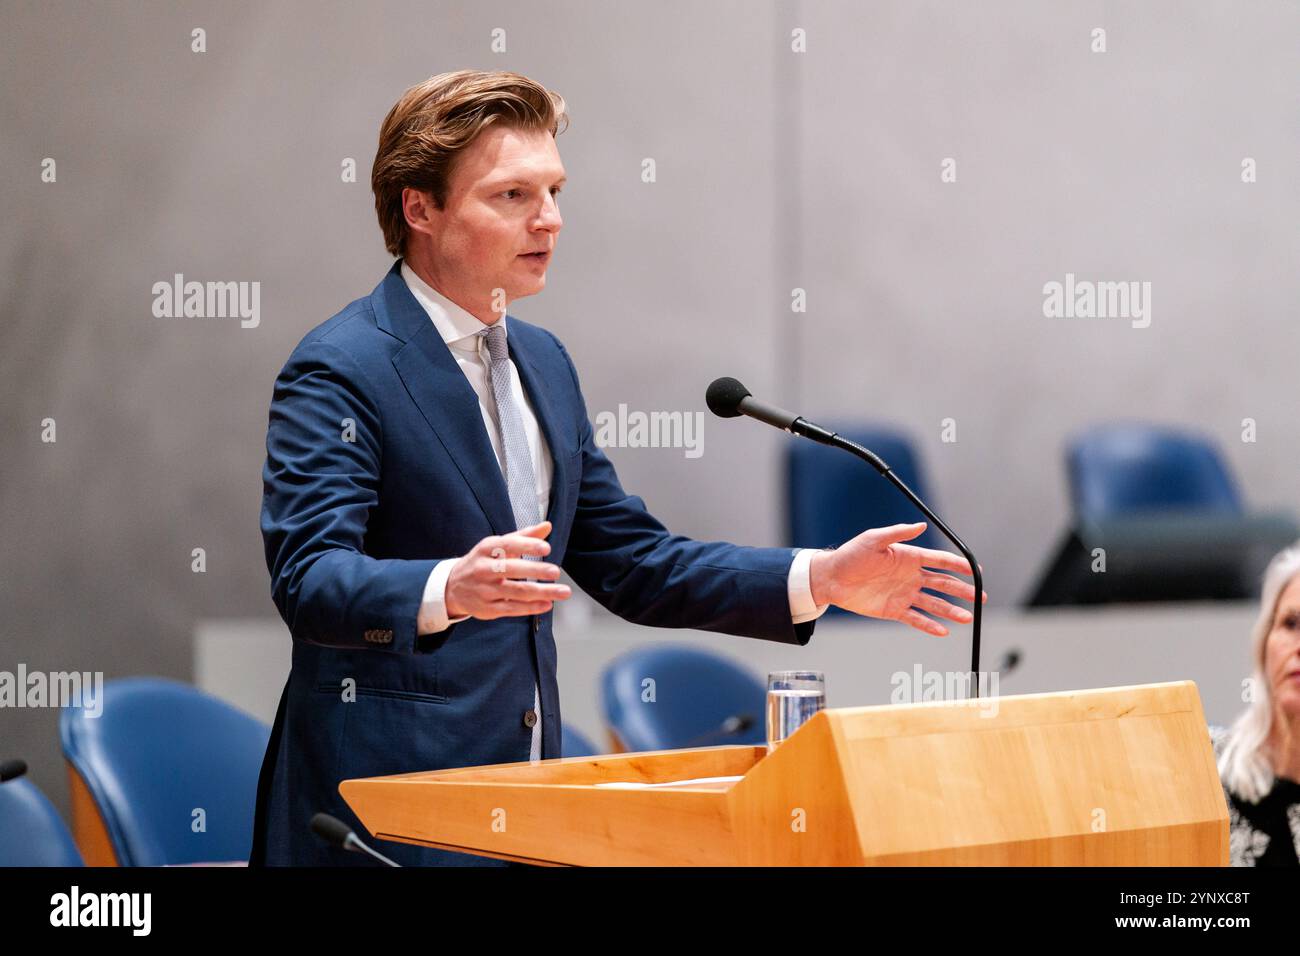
(453, 323)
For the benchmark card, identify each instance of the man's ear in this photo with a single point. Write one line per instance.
(418, 210)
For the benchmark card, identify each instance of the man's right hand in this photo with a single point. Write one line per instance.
(493, 580)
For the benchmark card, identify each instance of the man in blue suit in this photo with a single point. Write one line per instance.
(431, 468)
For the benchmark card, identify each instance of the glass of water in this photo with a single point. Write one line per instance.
(792, 698)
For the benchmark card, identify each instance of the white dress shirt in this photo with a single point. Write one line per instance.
(457, 328)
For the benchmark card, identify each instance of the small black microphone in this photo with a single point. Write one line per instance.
(9, 769)
(737, 724)
(338, 834)
(733, 725)
(1010, 661)
(728, 398)
(724, 397)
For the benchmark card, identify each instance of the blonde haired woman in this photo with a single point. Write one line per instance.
(1259, 755)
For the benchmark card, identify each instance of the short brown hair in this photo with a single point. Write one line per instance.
(434, 120)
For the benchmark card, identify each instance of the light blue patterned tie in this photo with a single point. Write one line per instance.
(520, 479)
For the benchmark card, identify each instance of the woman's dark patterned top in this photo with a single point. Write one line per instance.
(1265, 833)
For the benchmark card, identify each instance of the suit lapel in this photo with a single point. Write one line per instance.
(448, 403)
(443, 395)
(451, 408)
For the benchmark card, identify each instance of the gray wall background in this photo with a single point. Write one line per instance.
(776, 170)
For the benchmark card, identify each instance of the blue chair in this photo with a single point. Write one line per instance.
(699, 700)
(1121, 469)
(161, 752)
(31, 831)
(574, 743)
(832, 496)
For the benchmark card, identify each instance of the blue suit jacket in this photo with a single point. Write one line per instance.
(352, 529)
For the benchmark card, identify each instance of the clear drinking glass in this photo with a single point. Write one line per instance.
(792, 698)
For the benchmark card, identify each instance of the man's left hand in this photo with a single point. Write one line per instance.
(875, 574)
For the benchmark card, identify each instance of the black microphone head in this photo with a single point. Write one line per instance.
(724, 397)
(12, 768)
(737, 724)
(331, 829)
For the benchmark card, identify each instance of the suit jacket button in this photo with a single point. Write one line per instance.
(530, 717)
(537, 623)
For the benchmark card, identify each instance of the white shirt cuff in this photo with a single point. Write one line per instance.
(802, 607)
(433, 606)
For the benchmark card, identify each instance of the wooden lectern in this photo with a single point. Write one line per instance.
(1123, 776)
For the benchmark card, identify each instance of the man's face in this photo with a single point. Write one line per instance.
(501, 210)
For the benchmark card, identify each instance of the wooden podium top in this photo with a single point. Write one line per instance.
(1117, 776)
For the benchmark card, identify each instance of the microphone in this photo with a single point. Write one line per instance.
(9, 769)
(728, 398)
(735, 724)
(338, 834)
